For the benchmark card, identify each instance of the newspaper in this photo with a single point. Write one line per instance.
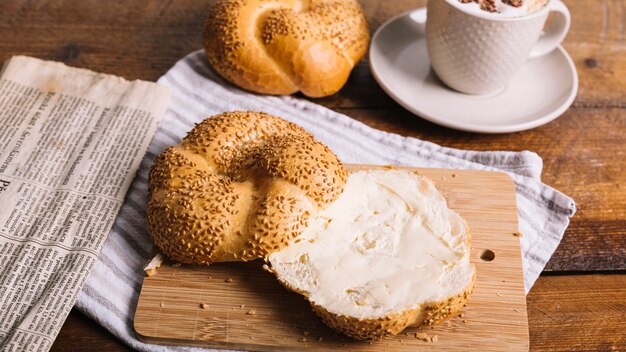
(71, 141)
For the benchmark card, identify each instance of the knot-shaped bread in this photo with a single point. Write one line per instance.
(286, 46)
(239, 186)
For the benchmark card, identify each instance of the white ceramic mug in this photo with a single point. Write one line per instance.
(478, 53)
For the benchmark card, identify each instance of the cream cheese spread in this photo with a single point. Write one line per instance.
(388, 243)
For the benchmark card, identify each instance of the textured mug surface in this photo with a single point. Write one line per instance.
(477, 54)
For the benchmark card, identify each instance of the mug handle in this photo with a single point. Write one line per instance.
(557, 31)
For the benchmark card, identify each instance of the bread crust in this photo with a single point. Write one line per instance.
(426, 314)
(286, 46)
(239, 186)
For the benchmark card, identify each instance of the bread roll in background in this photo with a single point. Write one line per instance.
(286, 46)
(387, 254)
(239, 186)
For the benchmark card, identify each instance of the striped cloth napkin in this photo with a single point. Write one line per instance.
(112, 288)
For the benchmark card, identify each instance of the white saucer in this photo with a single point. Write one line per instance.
(539, 93)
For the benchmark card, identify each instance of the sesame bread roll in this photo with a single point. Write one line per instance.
(240, 185)
(286, 46)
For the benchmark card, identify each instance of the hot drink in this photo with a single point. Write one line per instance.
(504, 8)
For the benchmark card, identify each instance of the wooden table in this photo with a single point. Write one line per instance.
(579, 302)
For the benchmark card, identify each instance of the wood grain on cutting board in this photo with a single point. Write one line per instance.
(241, 306)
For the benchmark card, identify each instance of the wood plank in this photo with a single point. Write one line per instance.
(169, 309)
(578, 313)
(565, 313)
(139, 40)
(577, 161)
(79, 333)
(132, 39)
(142, 40)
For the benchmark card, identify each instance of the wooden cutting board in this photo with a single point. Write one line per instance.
(245, 307)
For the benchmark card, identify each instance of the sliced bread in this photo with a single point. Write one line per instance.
(387, 254)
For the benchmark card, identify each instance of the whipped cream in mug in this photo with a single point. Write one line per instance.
(500, 8)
